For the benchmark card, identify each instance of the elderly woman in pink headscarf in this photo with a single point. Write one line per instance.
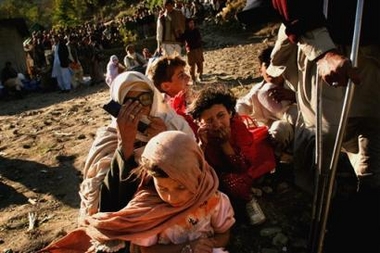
(114, 68)
(177, 207)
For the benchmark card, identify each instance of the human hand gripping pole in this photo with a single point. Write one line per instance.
(351, 77)
(336, 69)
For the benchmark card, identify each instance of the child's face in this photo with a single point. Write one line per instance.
(179, 82)
(214, 124)
(172, 192)
(270, 79)
(216, 117)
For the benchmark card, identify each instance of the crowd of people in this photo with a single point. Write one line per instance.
(177, 184)
(86, 45)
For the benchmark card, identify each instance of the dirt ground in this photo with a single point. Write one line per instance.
(45, 138)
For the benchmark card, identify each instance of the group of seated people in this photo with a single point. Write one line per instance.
(133, 61)
(272, 103)
(176, 185)
(11, 80)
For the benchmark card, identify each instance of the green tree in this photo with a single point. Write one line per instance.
(14, 8)
(61, 15)
(33, 14)
(80, 8)
(154, 3)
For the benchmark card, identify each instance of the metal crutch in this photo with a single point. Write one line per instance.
(319, 178)
(342, 123)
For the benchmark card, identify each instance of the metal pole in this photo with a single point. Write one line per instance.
(319, 175)
(325, 7)
(319, 178)
(343, 121)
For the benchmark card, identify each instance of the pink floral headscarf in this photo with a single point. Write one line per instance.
(179, 156)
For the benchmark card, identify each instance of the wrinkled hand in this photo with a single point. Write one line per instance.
(335, 69)
(221, 135)
(202, 134)
(127, 121)
(207, 134)
(279, 94)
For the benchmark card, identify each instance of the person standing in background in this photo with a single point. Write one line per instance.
(61, 63)
(97, 57)
(170, 26)
(146, 54)
(75, 65)
(193, 45)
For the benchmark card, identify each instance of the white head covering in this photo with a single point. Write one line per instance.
(112, 69)
(100, 156)
(136, 81)
(113, 58)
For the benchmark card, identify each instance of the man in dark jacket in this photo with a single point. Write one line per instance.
(61, 63)
(170, 26)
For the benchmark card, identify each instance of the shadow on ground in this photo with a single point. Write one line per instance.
(39, 179)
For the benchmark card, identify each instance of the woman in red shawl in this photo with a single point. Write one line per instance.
(229, 147)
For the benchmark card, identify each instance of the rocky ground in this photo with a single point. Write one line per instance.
(45, 137)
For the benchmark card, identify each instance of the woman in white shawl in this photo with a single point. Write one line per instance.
(114, 67)
(121, 135)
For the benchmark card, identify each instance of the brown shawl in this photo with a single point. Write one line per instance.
(179, 156)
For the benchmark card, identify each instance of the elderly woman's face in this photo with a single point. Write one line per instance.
(145, 99)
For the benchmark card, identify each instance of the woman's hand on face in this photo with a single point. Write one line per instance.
(156, 126)
(223, 134)
(203, 134)
(219, 136)
(208, 135)
(127, 120)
